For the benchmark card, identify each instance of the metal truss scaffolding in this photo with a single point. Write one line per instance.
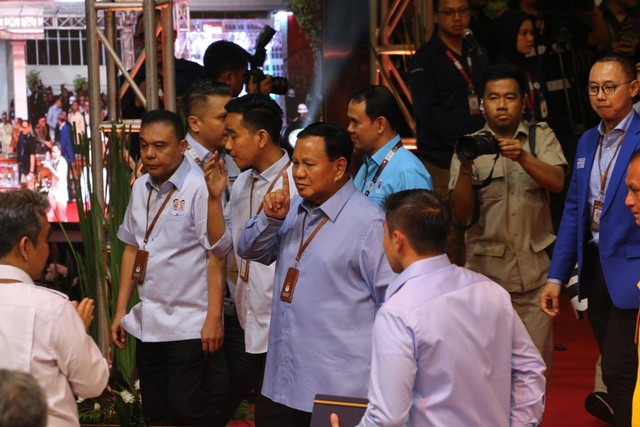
(397, 29)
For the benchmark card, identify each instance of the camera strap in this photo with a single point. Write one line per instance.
(476, 202)
(476, 187)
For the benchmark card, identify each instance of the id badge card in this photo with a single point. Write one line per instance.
(474, 104)
(289, 285)
(140, 266)
(595, 218)
(544, 113)
(243, 270)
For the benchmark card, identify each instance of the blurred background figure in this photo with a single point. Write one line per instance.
(5, 133)
(58, 192)
(22, 402)
(76, 119)
(26, 153)
(514, 40)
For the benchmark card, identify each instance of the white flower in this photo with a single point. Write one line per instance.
(80, 400)
(96, 406)
(136, 385)
(127, 397)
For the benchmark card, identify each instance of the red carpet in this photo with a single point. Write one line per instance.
(572, 372)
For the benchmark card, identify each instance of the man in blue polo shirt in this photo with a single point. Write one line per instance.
(388, 167)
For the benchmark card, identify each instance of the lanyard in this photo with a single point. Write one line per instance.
(380, 168)
(268, 190)
(195, 158)
(603, 178)
(529, 99)
(155, 218)
(462, 71)
(303, 245)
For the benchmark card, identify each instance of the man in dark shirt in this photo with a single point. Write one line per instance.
(26, 154)
(446, 89)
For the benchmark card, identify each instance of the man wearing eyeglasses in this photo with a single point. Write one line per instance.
(446, 89)
(599, 232)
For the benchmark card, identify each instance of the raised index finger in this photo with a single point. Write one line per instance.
(285, 183)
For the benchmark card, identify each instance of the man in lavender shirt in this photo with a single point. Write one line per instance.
(437, 359)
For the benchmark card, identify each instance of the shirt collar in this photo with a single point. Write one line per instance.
(14, 273)
(201, 152)
(379, 155)
(273, 171)
(418, 268)
(177, 179)
(521, 129)
(441, 46)
(335, 203)
(623, 126)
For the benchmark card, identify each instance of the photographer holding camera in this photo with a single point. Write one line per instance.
(499, 182)
(227, 62)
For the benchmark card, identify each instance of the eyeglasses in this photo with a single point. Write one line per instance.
(450, 13)
(607, 88)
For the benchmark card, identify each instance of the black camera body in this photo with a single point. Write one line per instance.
(279, 85)
(469, 147)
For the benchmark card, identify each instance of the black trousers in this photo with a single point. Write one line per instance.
(180, 385)
(614, 330)
(273, 414)
(245, 370)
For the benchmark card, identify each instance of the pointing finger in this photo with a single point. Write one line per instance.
(285, 183)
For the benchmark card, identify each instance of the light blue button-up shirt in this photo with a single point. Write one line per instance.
(403, 172)
(321, 341)
(449, 350)
(173, 296)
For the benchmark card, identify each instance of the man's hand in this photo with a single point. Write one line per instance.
(118, 334)
(625, 46)
(212, 334)
(216, 176)
(85, 311)
(335, 421)
(276, 203)
(264, 87)
(549, 303)
(511, 149)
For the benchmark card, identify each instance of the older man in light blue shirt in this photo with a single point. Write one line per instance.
(448, 347)
(320, 335)
(388, 167)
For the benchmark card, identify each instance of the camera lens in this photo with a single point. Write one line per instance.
(470, 147)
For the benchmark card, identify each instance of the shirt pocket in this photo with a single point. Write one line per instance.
(496, 190)
(632, 251)
(492, 249)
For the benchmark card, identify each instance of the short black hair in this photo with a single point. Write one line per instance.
(628, 67)
(505, 72)
(198, 93)
(20, 216)
(380, 102)
(222, 56)
(436, 5)
(422, 216)
(337, 142)
(258, 111)
(164, 116)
